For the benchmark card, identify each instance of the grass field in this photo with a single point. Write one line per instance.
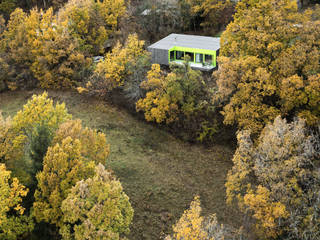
(160, 173)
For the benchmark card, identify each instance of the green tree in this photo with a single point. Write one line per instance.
(40, 140)
(13, 220)
(276, 180)
(96, 208)
(270, 51)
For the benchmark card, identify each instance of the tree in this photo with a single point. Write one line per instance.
(13, 221)
(96, 208)
(277, 180)
(179, 98)
(16, 51)
(63, 167)
(72, 156)
(91, 22)
(58, 62)
(270, 52)
(193, 226)
(118, 67)
(93, 144)
(39, 112)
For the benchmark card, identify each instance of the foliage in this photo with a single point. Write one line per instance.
(16, 51)
(7, 7)
(277, 180)
(92, 22)
(58, 62)
(63, 167)
(93, 144)
(40, 140)
(71, 158)
(119, 66)
(168, 96)
(39, 112)
(215, 14)
(270, 51)
(13, 221)
(96, 208)
(193, 226)
(180, 97)
(36, 47)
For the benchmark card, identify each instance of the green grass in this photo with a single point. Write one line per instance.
(160, 173)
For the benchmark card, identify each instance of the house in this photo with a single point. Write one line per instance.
(202, 51)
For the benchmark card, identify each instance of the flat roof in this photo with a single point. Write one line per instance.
(190, 41)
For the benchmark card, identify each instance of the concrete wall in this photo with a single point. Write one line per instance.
(159, 56)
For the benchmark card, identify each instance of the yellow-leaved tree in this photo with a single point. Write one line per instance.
(36, 49)
(72, 156)
(92, 22)
(276, 180)
(96, 208)
(114, 68)
(179, 98)
(13, 220)
(269, 64)
(16, 51)
(39, 112)
(58, 62)
(193, 226)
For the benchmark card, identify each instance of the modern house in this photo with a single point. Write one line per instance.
(202, 51)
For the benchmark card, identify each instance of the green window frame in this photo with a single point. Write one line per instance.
(203, 54)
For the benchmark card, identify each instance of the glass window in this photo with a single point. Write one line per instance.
(190, 55)
(179, 55)
(199, 58)
(172, 56)
(208, 59)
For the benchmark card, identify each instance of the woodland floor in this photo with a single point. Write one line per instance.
(160, 173)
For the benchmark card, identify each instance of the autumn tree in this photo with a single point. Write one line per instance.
(269, 65)
(16, 51)
(193, 226)
(58, 61)
(276, 181)
(36, 49)
(91, 22)
(15, 148)
(120, 68)
(72, 157)
(180, 98)
(96, 208)
(13, 220)
(93, 144)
